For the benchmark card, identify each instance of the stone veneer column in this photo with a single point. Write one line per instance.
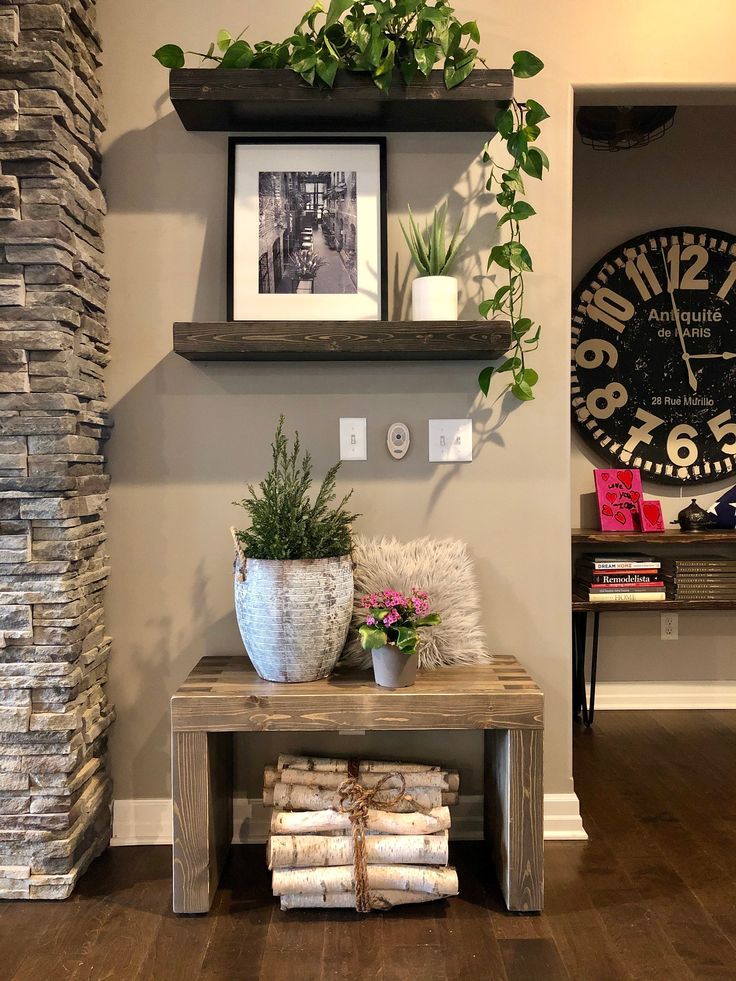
(54, 792)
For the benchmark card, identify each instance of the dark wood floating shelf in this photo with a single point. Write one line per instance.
(383, 340)
(584, 536)
(270, 101)
(580, 605)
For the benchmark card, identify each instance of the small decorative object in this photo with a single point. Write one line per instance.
(650, 516)
(391, 633)
(360, 834)
(694, 518)
(293, 570)
(654, 354)
(619, 496)
(445, 569)
(306, 229)
(724, 510)
(434, 293)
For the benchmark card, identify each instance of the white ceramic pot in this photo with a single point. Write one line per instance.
(434, 298)
(392, 669)
(294, 615)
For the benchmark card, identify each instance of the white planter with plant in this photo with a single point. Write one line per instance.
(294, 570)
(434, 293)
(391, 634)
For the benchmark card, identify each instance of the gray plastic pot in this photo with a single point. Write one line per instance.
(392, 669)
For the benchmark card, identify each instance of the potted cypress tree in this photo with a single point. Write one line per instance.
(294, 569)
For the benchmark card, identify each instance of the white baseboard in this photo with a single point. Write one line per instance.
(612, 695)
(148, 821)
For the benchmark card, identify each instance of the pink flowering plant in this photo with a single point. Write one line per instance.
(393, 618)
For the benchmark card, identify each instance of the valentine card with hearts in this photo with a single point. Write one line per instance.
(619, 495)
(650, 516)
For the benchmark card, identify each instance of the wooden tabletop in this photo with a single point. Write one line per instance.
(224, 694)
(712, 536)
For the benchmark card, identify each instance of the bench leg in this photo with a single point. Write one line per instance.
(202, 792)
(514, 814)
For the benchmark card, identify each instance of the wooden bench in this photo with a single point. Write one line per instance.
(223, 695)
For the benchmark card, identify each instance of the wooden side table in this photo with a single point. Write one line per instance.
(223, 695)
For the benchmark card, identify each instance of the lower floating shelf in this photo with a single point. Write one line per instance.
(580, 605)
(337, 340)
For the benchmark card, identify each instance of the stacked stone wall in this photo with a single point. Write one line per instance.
(55, 794)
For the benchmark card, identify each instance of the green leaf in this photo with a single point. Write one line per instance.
(326, 71)
(434, 16)
(510, 364)
(522, 210)
(336, 9)
(170, 56)
(471, 29)
(530, 376)
(522, 326)
(506, 198)
(372, 637)
(542, 156)
(505, 123)
(504, 219)
(517, 145)
(522, 391)
(456, 71)
(486, 307)
(512, 178)
(224, 39)
(238, 55)
(408, 69)
(425, 58)
(526, 65)
(531, 133)
(535, 113)
(500, 256)
(484, 379)
(519, 258)
(430, 620)
(532, 164)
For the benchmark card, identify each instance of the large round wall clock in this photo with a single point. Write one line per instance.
(654, 355)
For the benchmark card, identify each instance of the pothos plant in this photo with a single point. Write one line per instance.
(519, 127)
(373, 36)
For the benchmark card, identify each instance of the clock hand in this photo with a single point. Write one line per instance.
(676, 314)
(726, 355)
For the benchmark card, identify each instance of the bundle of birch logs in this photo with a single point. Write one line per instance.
(360, 834)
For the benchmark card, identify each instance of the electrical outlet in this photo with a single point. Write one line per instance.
(670, 626)
(353, 439)
(450, 440)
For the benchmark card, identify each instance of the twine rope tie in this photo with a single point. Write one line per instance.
(355, 801)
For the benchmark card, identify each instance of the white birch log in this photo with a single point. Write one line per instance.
(380, 899)
(313, 822)
(292, 797)
(308, 851)
(339, 878)
(311, 778)
(330, 765)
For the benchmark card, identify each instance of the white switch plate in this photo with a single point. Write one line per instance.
(450, 440)
(353, 439)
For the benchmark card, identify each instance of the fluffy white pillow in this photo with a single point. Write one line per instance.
(441, 566)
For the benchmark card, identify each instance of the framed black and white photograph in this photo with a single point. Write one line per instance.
(307, 229)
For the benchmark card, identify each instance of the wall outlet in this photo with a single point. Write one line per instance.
(670, 626)
(450, 440)
(353, 439)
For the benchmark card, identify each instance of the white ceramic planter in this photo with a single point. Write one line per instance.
(294, 615)
(392, 669)
(434, 298)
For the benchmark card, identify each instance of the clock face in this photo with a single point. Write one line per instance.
(654, 355)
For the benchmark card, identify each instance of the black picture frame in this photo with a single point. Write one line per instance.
(379, 141)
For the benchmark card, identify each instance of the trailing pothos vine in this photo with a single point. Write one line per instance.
(519, 127)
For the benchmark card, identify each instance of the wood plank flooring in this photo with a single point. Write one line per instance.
(651, 895)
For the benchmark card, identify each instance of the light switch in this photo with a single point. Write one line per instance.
(450, 440)
(353, 439)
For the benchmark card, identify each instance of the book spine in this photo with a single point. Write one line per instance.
(653, 587)
(623, 564)
(642, 597)
(633, 579)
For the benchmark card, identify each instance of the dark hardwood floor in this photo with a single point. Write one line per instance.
(651, 895)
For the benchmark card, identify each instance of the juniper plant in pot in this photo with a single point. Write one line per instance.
(293, 568)
(434, 293)
(391, 633)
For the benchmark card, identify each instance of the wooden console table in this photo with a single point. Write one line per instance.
(584, 705)
(223, 695)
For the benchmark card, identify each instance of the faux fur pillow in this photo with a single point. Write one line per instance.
(442, 567)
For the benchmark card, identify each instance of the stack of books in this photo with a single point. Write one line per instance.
(632, 578)
(702, 577)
